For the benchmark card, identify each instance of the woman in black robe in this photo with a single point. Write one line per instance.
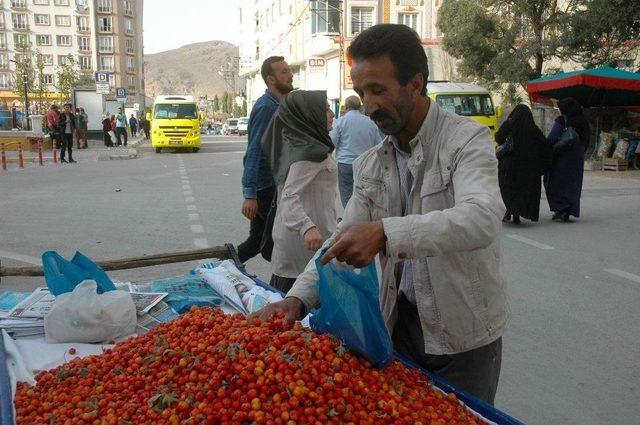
(563, 183)
(520, 169)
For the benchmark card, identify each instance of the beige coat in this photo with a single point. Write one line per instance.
(306, 199)
(450, 235)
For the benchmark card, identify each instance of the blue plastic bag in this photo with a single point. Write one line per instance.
(350, 311)
(62, 275)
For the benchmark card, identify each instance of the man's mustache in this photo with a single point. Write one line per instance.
(380, 115)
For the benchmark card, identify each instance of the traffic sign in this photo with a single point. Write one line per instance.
(121, 94)
(102, 88)
(136, 106)
(101, 77)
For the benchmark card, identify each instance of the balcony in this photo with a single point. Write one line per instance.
(83, 30)
(105, 9)
(84, 49)
(18, 5)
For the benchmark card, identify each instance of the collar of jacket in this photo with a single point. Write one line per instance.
(424, 136)
(272, 96)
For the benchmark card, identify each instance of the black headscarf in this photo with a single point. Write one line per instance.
(529, 143)
(574, 117)
(297, 132)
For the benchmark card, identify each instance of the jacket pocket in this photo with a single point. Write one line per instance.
(376, 192)
(435, 193)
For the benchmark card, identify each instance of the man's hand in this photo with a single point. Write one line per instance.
(292, 308)
(357, 245)
(313, 239)
(250, 208)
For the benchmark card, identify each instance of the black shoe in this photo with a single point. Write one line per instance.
(516, 219)
(557, 215)
(506, 218)
(565, 217)
(63, 160)
(72, 161)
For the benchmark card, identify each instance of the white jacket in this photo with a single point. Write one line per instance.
(451, 233)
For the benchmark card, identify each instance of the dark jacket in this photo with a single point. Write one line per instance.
(62, 122)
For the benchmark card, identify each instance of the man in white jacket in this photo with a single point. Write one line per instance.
(427, 201)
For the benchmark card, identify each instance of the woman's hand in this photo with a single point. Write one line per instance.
(313, 239)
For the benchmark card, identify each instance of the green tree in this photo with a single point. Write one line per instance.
(216, 104)
(23, 65)
(66, 79)
(231, 101)
(39, 85)
(225, 103)
(509, 41)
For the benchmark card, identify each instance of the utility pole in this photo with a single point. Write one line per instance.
(25, 82)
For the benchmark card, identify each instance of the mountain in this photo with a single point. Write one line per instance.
(191, 69)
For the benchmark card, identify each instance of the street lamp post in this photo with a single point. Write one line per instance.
(25, 82)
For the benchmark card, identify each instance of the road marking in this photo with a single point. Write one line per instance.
(201, 243)
(192, 208)
(625, 275)
(194, 217)
(197, 228)
(186, 187)
(185, 181)
(190, 200)
(530, 242)
(187, 192)
(22, 258)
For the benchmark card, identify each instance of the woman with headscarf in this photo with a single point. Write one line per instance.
(298, 149)
(106, 128)
(563, 183)
(521, 168)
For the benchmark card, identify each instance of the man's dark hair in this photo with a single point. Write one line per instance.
(267, 69)
(400, 43)
(68, 104)
(54, 107)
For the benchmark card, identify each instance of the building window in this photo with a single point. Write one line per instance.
(47, 59)
(128, 45)
(40, 2)
(19, 21)
(131, 64)
(85, 63)
(128, 7)
(128, 26)
(20, 41)
(4, 60)
(106, 63)
(105, 44)
(63, 40)
(105, 24)
(63, 21)
(325, 16)
(131, 83)
(104, 6)
(4, 81)
(82, 5)
(47, 79)
(41, 19)
(43, 40)
(65, 60)
(361, 19)
(18, 4)
(82, 23)
(1, 20)
(61, 2)
(409, 19)
(3, 40)
(84, 44)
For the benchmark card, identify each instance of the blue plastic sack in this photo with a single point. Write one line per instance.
(350, 311)
(62, 275)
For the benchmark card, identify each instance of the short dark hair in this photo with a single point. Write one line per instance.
(68, 104)
(267, 69)
(400, 43)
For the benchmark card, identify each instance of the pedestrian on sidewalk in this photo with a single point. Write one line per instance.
(85, 127)
(51, 118)
(427, 204)
(563, 183)
(106, 130)
(352, 134)
(298, 149)
(133, 125)
(526, 157)
(145, 124)
(258, 186)
(80, 123)
(66, 127)
(121, 127)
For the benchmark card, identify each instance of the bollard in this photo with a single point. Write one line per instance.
(55, 151)
(20, 156)
(4, 157)
(40, 153)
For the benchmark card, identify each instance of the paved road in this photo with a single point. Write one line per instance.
(570, 354)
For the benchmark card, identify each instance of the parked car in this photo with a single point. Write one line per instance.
(231, 126)
(243, 126)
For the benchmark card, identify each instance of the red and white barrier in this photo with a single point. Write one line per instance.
(20, 156)
(40, 159)
(4, 157)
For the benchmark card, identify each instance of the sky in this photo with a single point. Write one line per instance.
(169, 24)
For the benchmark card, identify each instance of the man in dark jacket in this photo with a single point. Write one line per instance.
(66, 127)
(258, 187)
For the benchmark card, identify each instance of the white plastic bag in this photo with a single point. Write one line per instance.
(83, 315)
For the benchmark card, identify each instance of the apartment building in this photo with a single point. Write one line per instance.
(100, 35)
(314, 35)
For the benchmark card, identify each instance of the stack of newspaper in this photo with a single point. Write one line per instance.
(22, 314)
